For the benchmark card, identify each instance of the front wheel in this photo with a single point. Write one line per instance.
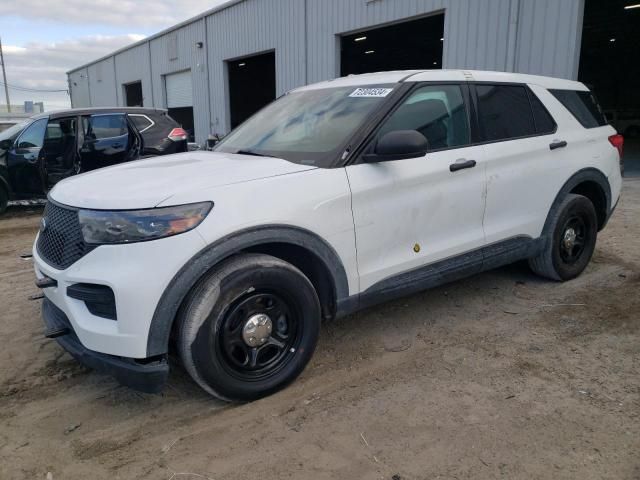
(249, 328)
(568, 250)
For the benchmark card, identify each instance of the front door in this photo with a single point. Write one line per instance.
(414, 212)
(24, 159)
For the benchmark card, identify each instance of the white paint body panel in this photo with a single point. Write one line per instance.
(126, 269)
(418, 201)
(524, 175)
(317, 200)
(145, 183)
(370, 214)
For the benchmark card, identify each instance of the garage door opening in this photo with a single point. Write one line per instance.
(252, 85)
(133, 94)
(610, 39)
(414, 44)
(179, 92)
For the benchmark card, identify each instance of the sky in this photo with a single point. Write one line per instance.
(43, 39)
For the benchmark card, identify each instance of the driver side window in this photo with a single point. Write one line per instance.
(436, 111)
(33, 136)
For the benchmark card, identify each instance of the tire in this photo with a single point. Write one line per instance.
(563, 259)
(4, 200)
(218, 316)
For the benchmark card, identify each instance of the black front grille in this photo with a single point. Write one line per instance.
(61, 243)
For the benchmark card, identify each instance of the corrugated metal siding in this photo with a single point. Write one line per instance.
(179, 89)
(79, 88)
(531, 36)
(477, 35)
(131, 66)
(549, 35)
(102, 84)
(327, 19)
(251, 27)
(189, 57)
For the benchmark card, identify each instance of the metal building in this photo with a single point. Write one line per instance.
(213, 70)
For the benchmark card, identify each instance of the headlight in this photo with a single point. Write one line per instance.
(128, 226)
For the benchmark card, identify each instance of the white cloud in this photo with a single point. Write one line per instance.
(44, 66)
(12, 49)
(114, 12)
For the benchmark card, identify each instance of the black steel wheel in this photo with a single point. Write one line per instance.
(259, 335)
(569, 241)
(249, 327)
(573, 239)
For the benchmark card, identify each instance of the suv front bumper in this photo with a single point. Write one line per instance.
(149, 377)
(137, 274)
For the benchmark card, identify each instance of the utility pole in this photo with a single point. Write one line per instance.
(4, 79)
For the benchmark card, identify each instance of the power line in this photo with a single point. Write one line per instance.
(28, 89)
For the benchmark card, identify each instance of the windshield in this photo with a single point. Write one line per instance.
(310, 127)
(14, 130)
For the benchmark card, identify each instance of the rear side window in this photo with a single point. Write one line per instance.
(543, 120)
(505, 112)
(583, 106)
(106, 126)
(142, 122)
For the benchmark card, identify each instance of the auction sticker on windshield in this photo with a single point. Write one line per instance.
(371, 92)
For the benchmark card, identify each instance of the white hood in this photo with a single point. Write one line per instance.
(146, 183)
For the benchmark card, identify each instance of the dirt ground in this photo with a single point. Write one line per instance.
(502, 375)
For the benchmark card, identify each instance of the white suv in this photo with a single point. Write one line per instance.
(335, 197)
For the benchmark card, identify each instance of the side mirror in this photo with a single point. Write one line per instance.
(399, 145)
(6, 144)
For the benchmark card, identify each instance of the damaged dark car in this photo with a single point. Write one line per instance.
(46, 148)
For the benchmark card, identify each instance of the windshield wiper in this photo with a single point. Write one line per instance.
(251, 152)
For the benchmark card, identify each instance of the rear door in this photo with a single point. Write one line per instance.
(23, 160)
(106, 140)
(523, 169)
(413, 212)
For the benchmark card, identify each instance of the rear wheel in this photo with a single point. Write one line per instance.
(4, 200)
(249, 328)
(574, 228)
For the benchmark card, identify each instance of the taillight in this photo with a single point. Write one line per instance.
(618, 142)
(177, 134)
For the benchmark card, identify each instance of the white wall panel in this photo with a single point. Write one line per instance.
(251, 27)
(102, 83)
(531, 36)
(79, 88)
(134, 65)
(179, 89)
(189, 57)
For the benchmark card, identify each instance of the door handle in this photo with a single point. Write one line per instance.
(557, 144)
(461, 164)
(116, 145)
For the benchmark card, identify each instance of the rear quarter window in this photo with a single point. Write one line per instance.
(142, 122)
(542, 118)
(583, 106)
